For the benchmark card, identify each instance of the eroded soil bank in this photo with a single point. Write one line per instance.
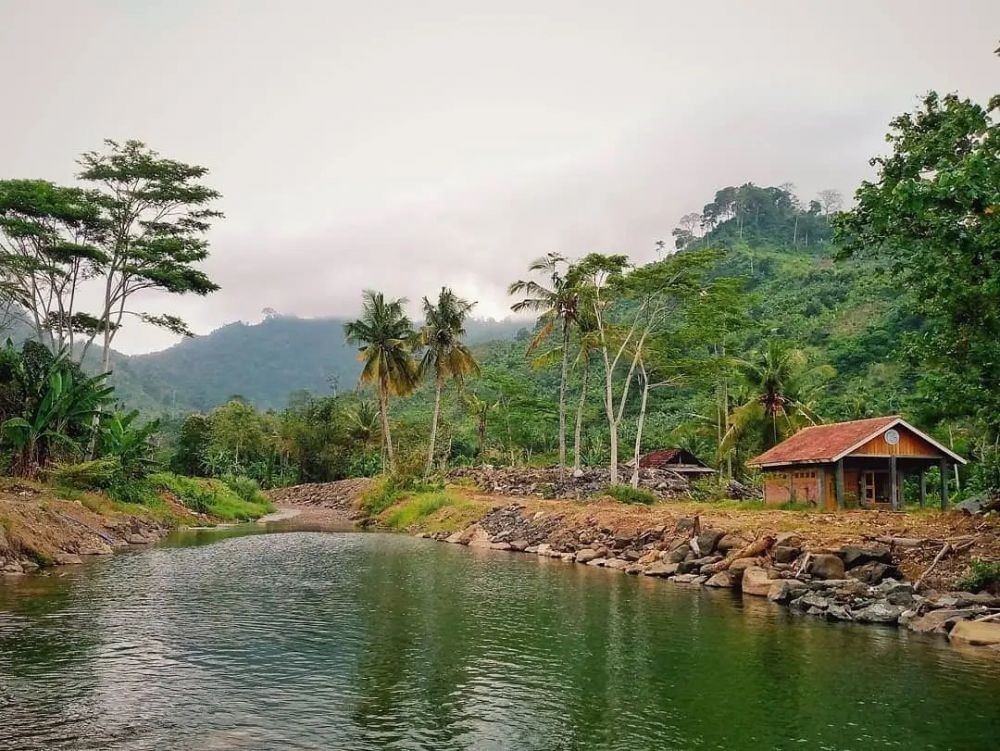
(38, 529)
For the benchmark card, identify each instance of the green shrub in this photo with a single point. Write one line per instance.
(386, 489)
(212, 497)
(628, 494)
(245, 487)
(982, 575)
(97, 474)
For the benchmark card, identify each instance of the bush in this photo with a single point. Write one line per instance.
(245, 487)
(212, 497)
(982, 575)
(97, 474)
(628, 494)
(387, 489)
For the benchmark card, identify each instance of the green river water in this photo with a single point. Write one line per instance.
(309, 640)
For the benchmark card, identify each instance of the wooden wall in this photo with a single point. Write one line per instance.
(910, 444)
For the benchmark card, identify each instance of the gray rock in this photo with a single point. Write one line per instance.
(730, 542)
(879, 612)
(784, 590)
(812, 600)
(678, 554)
(873, 572)
(825, 566)
(519, 545)
(723, 580)
(631, 554)
(616, 564)
(500, 546)
(688, 579)
(661, 569)
(634, 568)
(784, 553)
(709, 540)
(858, 555)
(587, 555)
(939, 621)
(839, 613)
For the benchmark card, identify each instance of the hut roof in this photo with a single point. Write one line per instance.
(830, 443)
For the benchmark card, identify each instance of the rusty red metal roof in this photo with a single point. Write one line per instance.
(823, 443)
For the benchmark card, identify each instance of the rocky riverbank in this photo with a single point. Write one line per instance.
(864, 567)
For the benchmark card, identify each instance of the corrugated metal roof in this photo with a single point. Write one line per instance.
(824, 443)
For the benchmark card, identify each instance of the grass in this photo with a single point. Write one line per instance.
(628, 494)
(415, 508)
(212, 497)
(433, 509)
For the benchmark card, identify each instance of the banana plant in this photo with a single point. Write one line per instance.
(62, 416)
(133, 445)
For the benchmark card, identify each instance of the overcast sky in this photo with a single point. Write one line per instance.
(403, 145)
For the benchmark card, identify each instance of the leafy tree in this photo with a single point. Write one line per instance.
(559, 306)
(780, 391)
(385, 339)
(49, 238)
(192, 445)
(155, 213)
(480, 409)
(445, 354)
(933, 213)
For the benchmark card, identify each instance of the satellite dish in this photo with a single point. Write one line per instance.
(892, 437)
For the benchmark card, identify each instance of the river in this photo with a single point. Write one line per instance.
(309, 640)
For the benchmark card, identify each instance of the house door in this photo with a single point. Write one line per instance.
(868, 487)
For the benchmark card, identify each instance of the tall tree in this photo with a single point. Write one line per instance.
(559, 306)
(780, 389)
(48, 249)
(445, 353)
(385, 339)
(933, 212)
(156, 213)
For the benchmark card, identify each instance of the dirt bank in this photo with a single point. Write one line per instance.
(39, 529)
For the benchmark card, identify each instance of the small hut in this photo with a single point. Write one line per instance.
(862, 461)
(678, 460)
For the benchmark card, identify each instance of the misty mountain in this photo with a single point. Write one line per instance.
(262, 362)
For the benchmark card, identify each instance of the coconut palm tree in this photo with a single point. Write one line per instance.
(559, 306)
(445, 354)
(385, 340)
(779, 389)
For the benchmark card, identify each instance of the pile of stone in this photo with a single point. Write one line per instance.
(544, 482)
(860, 583)
(340, 495)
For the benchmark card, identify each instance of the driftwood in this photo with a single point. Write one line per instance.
(945, 549)
(758, 547)
(804, 566)
(902, 542)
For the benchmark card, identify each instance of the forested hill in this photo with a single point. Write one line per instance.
(264, 363)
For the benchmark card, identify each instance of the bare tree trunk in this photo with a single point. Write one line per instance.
(434, 424)
(562, 400)
(383, 401)
(639, 425)
(578, 433)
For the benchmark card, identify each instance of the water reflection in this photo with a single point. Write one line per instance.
(315, 641)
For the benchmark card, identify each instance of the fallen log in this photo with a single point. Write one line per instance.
(758, 547)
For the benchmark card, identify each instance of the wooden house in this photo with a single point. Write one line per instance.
(857, 463)
(677, 460)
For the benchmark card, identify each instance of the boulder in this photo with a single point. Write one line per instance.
(811, 601)
(785, 590)
(858, 555)
(616, 564)
(730, 542)
(741, 564)
(661, 569)
(784, 553)
(826, 566)
(788, 540)
(689, 579)
(686, 524)
(634, 568)
(897, 593)
(66, 559)
(939, 621)
(587, 555)
(873, 572)
(839, 613)
(500, 546)
(723, 580)
(678, 553)
(879, 612)
(519, 545)
(11, 567)
(631, 554)
(709, 540)
(651, 557)
(756, 581)
(976, 633)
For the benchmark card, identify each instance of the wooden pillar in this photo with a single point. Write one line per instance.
(894, 480)
(944, 484)
(838, 480)
(923, 487)
(821, 487)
